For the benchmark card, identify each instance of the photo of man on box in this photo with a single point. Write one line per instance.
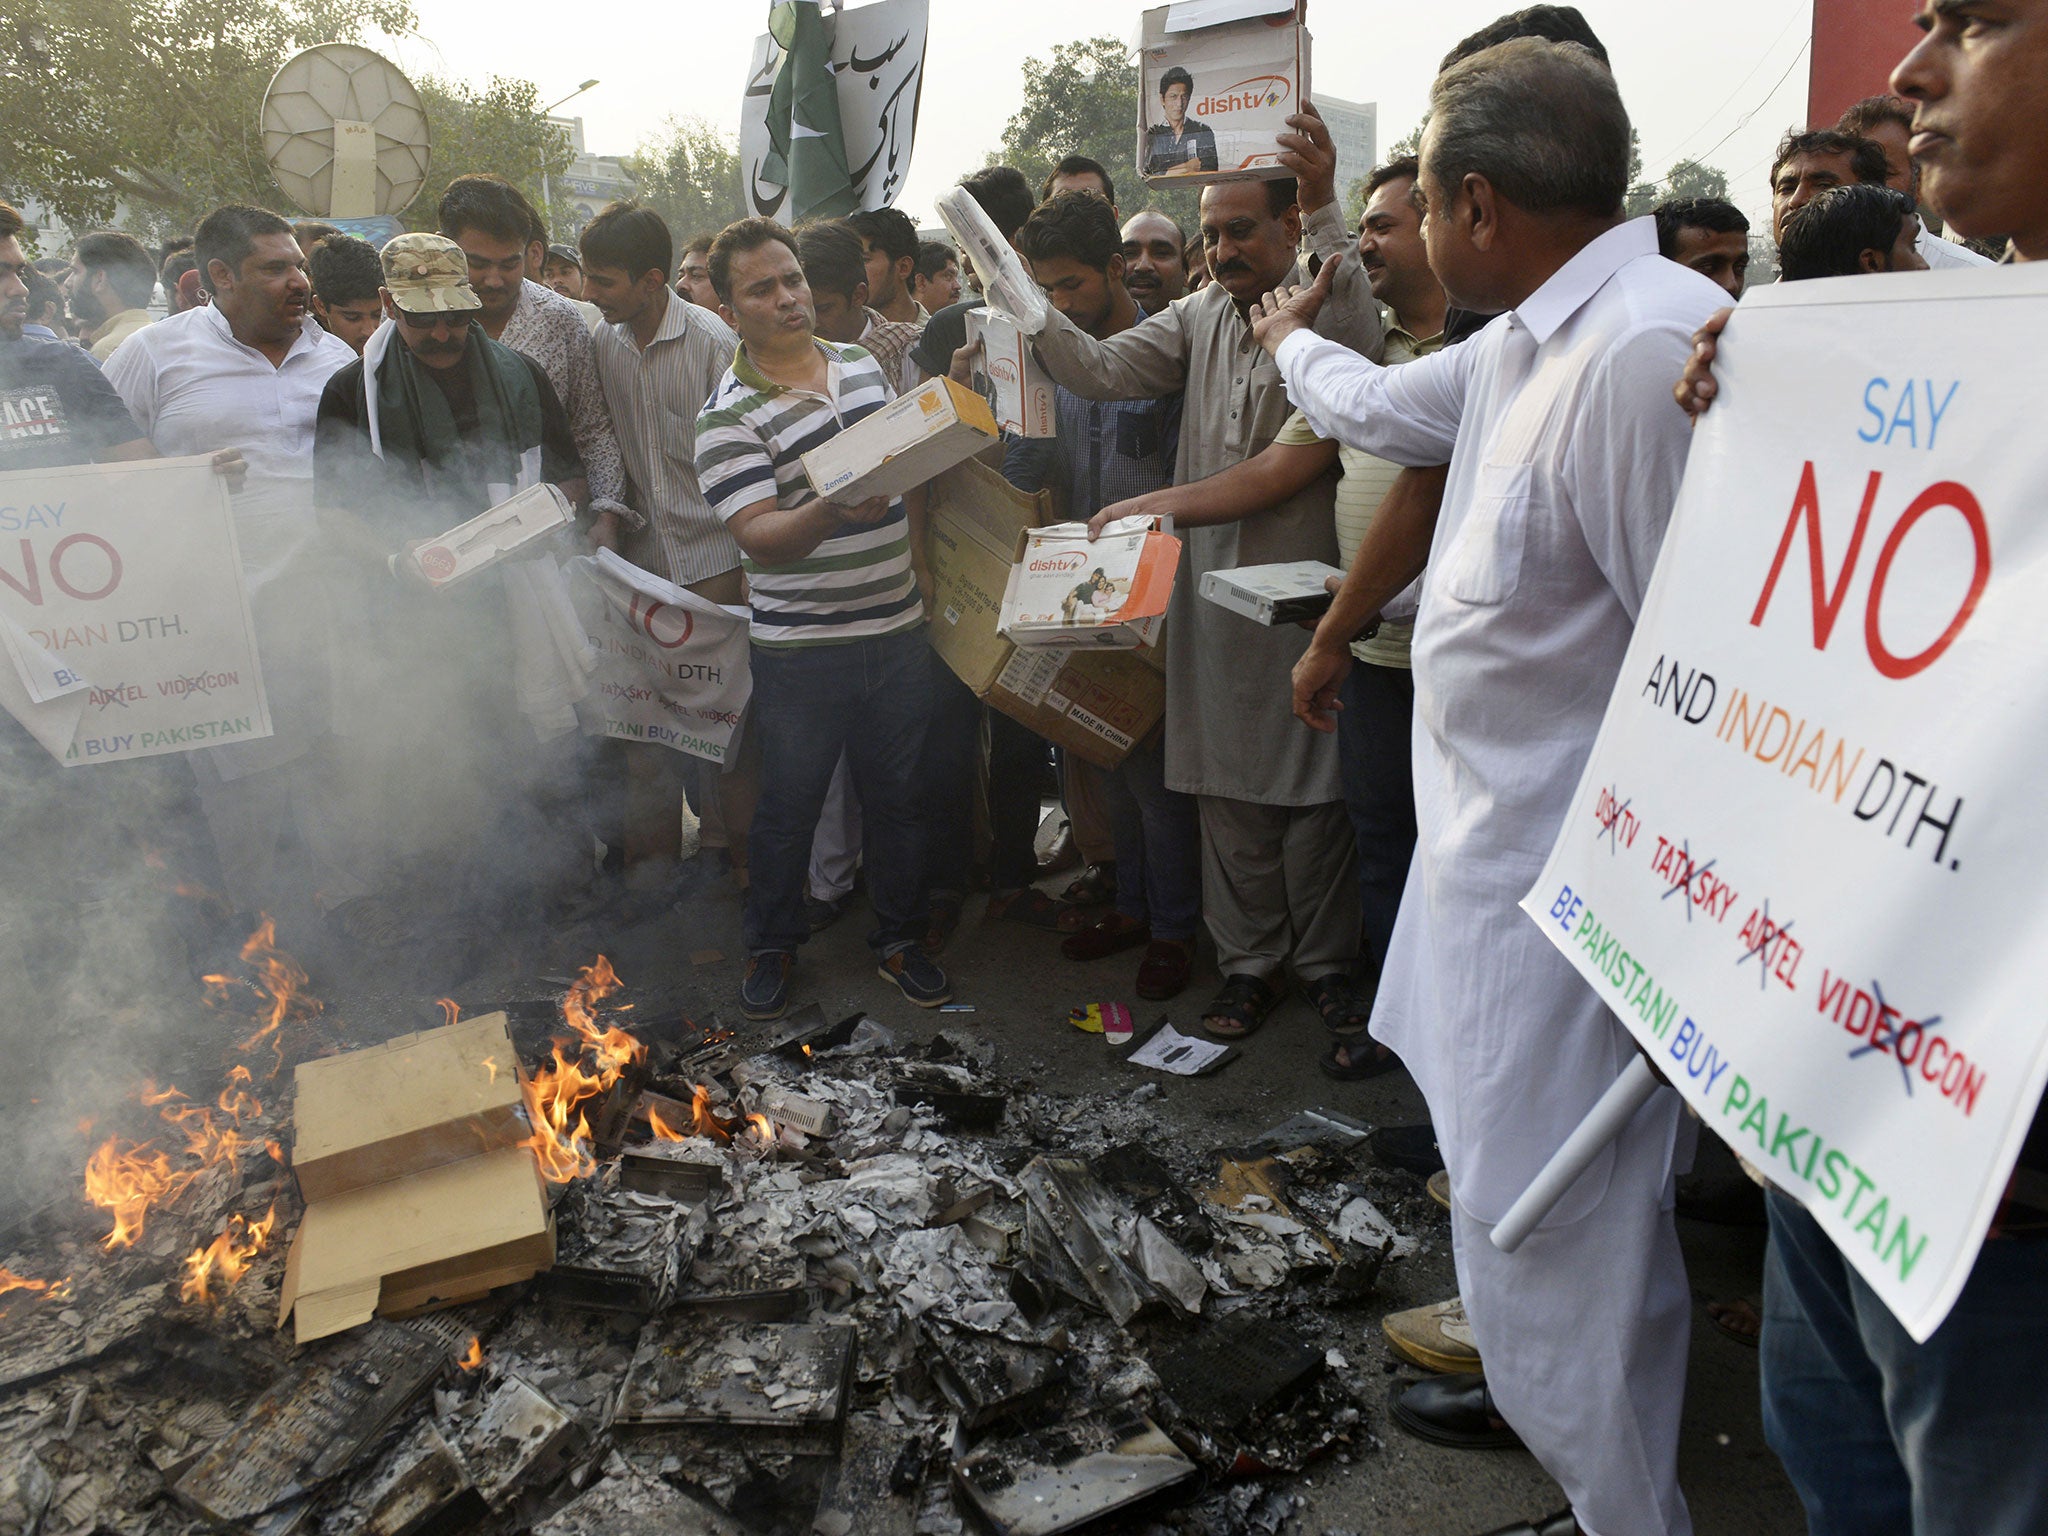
(1182, 145)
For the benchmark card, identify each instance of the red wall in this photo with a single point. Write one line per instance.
(1855, 45)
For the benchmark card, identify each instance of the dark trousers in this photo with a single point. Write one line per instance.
(1375, 755)
(952, 768)
(1158, 834)
(1881, 1435)
(871, 699)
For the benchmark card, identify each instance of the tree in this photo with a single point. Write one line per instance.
(1084, 101)
(1688, 178)
(496, 128)
(689, 173)
(154, 106)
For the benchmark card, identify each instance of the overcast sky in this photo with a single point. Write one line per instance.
(1733, 71)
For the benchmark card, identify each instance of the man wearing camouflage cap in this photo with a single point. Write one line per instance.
(462, 713)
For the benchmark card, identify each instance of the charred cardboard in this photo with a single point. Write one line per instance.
(1249, 61)
(1096, 704)
(430, 1239)
(413, 1103)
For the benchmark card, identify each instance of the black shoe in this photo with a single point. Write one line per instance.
(1453, 1410)
(764, 992)
(917, 977)
(1412, 1147)
(822, 913)
(1550, 1525)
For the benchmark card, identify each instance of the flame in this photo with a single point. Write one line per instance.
(48, 1290)
(660, 1126)
(451, 1009)
(276, 1151)
(228, 1256)
(702, 1120)
(764, 1128)
(474, 1355)
(128, 1183)
(561, 1140)
(491, 1066)
(279, 983)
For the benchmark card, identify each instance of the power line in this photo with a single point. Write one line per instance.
(1715, 115)
(1742, 122)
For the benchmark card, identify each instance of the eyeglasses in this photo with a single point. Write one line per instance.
(427, 320)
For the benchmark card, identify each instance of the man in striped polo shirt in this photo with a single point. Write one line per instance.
(839, 657)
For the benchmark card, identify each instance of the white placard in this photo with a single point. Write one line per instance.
(1804, 862)
(672, 668)
(122, 611)
(878, 51)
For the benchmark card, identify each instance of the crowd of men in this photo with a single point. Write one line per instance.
(1353, 812)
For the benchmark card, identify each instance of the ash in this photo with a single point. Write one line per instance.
(961, 1287)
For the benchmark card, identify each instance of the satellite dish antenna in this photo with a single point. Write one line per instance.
(345, 133)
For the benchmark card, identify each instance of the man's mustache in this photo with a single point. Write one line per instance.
(1231, 267)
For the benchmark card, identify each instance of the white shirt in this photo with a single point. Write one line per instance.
(1940, 253)
(1566, 453)
(193, 388)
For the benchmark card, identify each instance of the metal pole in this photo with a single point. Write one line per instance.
(547, 201)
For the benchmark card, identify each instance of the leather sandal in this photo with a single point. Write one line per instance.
(1240, 1009)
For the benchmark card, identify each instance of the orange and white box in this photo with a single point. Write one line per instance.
(1066, 592)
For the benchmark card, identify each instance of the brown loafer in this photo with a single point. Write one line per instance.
(1108, 936)
(1165, 970)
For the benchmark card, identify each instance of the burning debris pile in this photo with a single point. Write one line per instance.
(796, 1280)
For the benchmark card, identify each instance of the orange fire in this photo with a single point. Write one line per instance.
(279, 983)
(764, 1128)
(660, 1126)
(227, 1257)
(48, 1290)
(450, 1009)
(561, 1140)
(128, 1183)
(473, 1357)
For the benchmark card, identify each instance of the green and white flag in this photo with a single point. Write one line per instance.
(830, 110)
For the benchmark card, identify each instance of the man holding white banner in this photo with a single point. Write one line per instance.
(1901, 1369)
(1564, 463)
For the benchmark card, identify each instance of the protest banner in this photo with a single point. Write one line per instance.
(878, 62)
(672, 668)
(122, 611)
(1803, 863)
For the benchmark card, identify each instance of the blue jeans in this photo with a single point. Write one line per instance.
(1885, 1437)
(1376, 757)
(1158, 838)
(871, 699)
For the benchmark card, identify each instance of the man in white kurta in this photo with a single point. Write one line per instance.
(1564, 464)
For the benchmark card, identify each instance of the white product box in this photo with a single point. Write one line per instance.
(491, 536)
(1019, 391)
(1286, 593)
(1067, 592)
(904, 444)
(1236, 71)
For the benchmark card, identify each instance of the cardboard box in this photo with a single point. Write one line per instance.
(1096, 704)
(1018, 390)
(427, 1240)
(1285, 593)
(1246, 64)
(413, 1103)
(491, 536)
(1067, 591)
(903, 444)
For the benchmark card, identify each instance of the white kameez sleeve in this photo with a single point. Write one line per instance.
(1408, 415)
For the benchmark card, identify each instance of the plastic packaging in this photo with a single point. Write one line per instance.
(1008, 285)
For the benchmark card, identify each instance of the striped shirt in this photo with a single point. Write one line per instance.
(654, 396)
(751, 441)
(547, 328)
